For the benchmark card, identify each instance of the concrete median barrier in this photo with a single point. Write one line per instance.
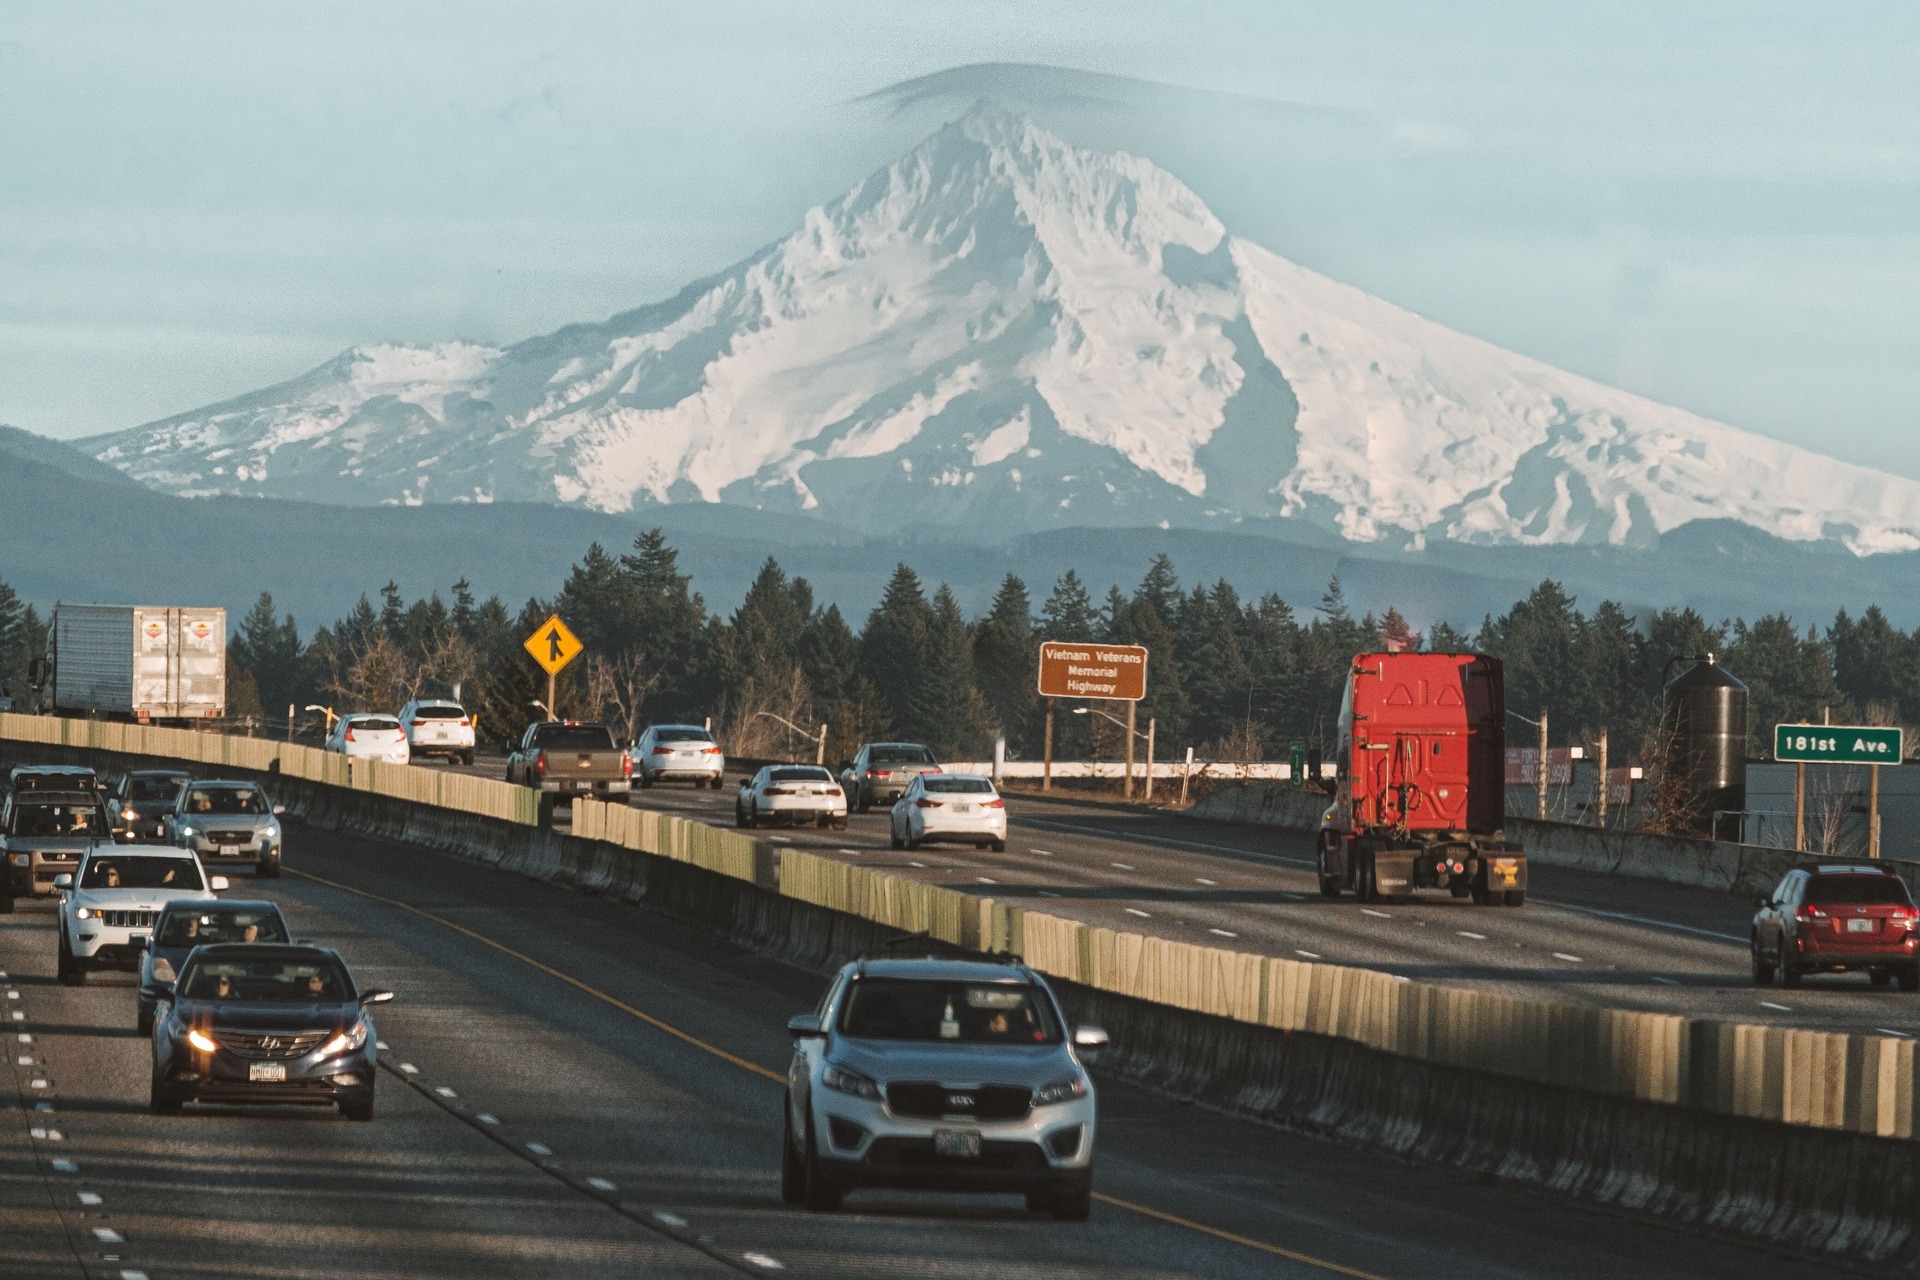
(1795, 1136)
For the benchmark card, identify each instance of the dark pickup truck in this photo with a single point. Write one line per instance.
(572, 759)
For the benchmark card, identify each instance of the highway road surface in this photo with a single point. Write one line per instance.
(575, 1087)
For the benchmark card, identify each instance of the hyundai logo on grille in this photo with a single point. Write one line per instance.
(960, 1101)
(269, 1042)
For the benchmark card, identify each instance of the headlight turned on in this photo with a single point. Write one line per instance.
(82, 913)
(842, 1080)
(201, 1041)
(346, 1041)
(1063, 1090)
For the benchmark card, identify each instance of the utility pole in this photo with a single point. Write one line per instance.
(1603, 779)
(820, 749)
(1186, 777)
(1046, 768)
(289, 722)
(1127, 786)
(1541, 776)
(1151, 722)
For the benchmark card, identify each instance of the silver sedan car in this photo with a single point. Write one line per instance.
(948, 1073)
(228, 823)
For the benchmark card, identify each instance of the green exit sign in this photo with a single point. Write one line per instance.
(1836, 744)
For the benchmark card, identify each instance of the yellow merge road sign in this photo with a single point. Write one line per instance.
(553, 646)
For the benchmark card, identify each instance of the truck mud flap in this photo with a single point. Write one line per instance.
(1393, 872)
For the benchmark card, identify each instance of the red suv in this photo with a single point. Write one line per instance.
(1834, 918)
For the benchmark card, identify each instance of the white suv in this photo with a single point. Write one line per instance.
(108, 905)
(437, 727)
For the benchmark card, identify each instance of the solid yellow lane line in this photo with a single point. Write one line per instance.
(551, 972)
(745, 1065)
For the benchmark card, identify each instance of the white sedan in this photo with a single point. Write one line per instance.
(961, 807)
(370, 737)
(108, 905)
(790, 795)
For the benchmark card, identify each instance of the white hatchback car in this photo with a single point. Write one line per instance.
(790, 795)
(108, 905)
(668, 751)
(961, 807)
(437, 727)
(370, 737)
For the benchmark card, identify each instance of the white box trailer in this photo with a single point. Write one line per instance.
(140, 662)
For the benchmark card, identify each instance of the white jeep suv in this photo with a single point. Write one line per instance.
(108, 905)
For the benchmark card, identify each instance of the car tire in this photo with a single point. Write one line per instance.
(895, 839)
(1516, 897)
(1762, 971)
(162, 1101)
(999, 846)
(466, 758)
(714, 785)
(793, 1170)
(646, 783)
(821, 1195)
(912, 844)
(1790, 975)
(839, 824)
(268, 869)
(70, 972)
(143, 1021)
(1072, 1200)
(1880, 977)
(6, 906)
(358, 1110)
(1909, 978)
(739, 815)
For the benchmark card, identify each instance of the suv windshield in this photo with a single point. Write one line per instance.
(682, 735)
(288, 981)
(900, 755)
(199, 927)
(80, 818)
(966, 1012)
(154, 790)
(958, 786)
(132, 871)
(1863, 889)
(442, 711)
(574, 737)
(224, 800)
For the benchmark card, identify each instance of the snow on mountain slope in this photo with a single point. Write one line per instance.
(1002, 333)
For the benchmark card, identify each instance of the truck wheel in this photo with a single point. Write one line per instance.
(1364, 887)
(1329, 887)
(1516, 897)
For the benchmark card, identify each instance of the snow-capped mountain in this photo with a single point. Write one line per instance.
(1002, 333)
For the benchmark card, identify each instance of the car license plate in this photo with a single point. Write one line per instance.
(1860, 926)
(963, 808)
(274, 1071)
(955, 1142)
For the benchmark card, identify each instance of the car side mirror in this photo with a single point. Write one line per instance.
(1089, 1040)
(802, 1026)
(376, 996)
(846, 766)
(63, 881)
(746, 782)
(157, 991)
(216, 883)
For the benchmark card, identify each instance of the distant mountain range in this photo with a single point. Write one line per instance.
(1000, 335)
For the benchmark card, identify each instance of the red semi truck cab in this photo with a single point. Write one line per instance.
(1420, 800)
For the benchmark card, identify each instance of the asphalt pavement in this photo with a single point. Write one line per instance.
(572, 1086)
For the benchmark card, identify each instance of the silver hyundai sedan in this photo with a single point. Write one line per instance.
(940, 1072)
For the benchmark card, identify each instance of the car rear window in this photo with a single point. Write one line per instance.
(57, 819)
(228, 800)
(958, 786)
(1851, 888)
(154, 790)
(138, 872)
(900, 755)
(574, 737)
(966, 1012)
(439, 713)
(278, 981)
(682, 735)
(374, 724)
(200, 927)
(799, 774)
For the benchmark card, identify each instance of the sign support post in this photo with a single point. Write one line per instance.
(1127, 789)
(1046, 768)
(1603, 779)
(1873, 811)
(1541, 777)
(1152, 721)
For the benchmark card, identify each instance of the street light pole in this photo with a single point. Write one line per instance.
(1132, 733)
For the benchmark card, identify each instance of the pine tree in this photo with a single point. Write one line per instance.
(944, 708)
(671, 628)
(1789, 676)
(1005, 655)
(1535, 641)
(268, 648)
(1068, 613)
(1873, 660)
(14, 654)
(893, 645)
(1443, 638)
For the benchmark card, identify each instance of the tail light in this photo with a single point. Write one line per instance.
(879, 773)
(995, 803)
(924, 803)
(540, 763)
(663, 751)
(1809, 913)
(349, 736)
(777, 791)
(935, 769)
(626, 764)
(465, 723)
(419, 724)
(711, 750)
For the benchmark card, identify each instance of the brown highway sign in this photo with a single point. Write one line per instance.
(1073, 670)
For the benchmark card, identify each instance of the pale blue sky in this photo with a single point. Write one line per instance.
(1717, 205)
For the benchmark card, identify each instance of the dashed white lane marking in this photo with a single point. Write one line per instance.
(1561, 955)
(13, 995)
(445, 1092)
(601, 1184)
(1135, 911)
(25, 1038)
(669, 1219)
(1889, 1031)
(129, 1274)
(410, 1069)
(1045, 853)
(1204, 880)
(854, 852)
(18, 1016)
(1120, 866)
(1468, 933)
(65, 1166)
(1378, 915)
(381, 1045)
(762, 1260)
(47, 1135)
(1311, 955)
(1646, 920)
(1222, 933)
(37, 1083)
(90, 1198)
(107, 1235)
(25, 1060)
(485, 1118)
(986, 880)
(540, 1148)
(1783, 1008)
(1137, 837)
(1666, 982)
(916, 864)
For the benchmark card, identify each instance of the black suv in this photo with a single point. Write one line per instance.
(143, 800)
(52, 814)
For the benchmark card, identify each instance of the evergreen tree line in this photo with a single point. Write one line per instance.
(1235, 678)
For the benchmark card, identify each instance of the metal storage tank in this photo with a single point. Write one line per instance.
(1703, 721)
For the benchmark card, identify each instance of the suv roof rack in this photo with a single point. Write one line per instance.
(54, 777)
